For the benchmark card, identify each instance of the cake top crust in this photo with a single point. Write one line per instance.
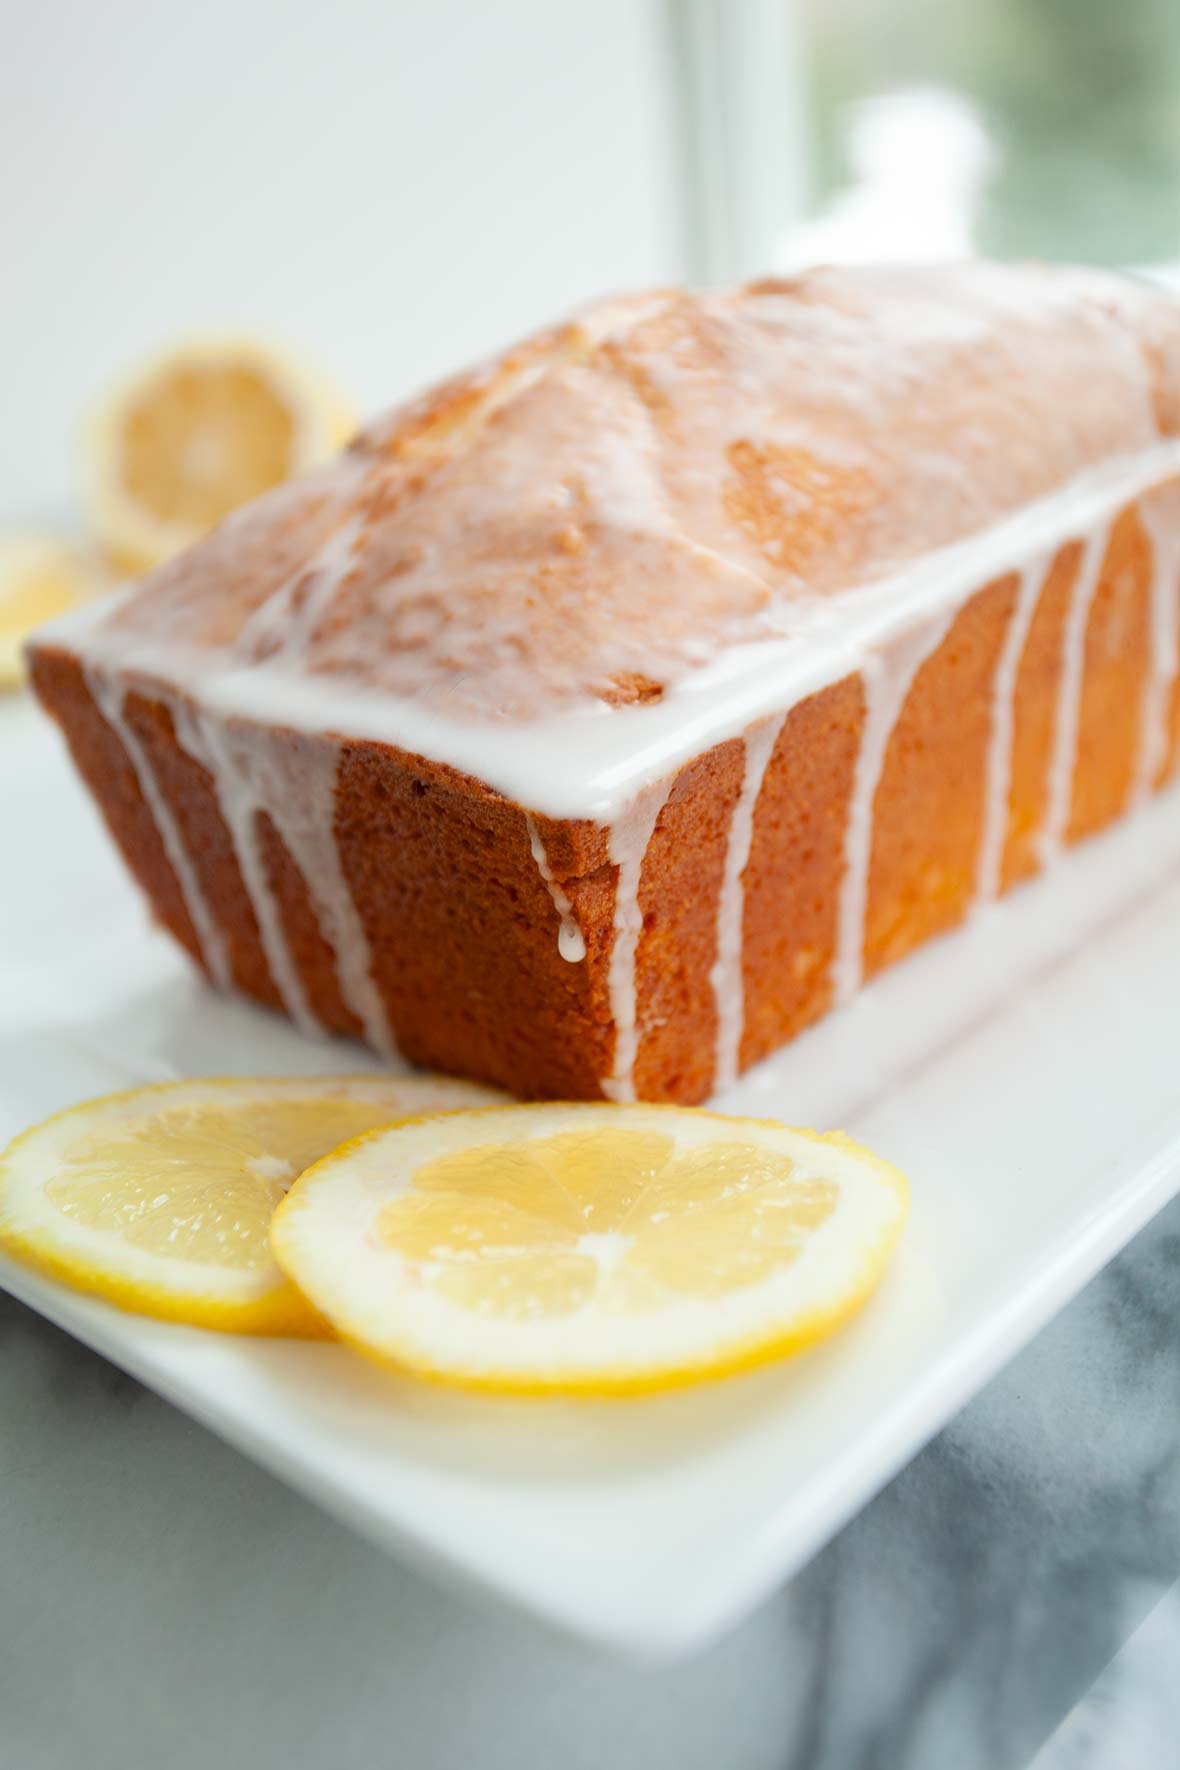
(605, 508)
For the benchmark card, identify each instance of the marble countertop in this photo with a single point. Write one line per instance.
(163, 1602)
(1130, 1716)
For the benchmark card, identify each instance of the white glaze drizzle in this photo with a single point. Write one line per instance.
(570, 943)
(590, 761)
(282, 626)
(628, 841)
(1165, 647)
(998, 775)
(259, 774)
(726, 975)
(886, 677)
(301, 803)
(1064, 754)
(110, 697)
(233, 762)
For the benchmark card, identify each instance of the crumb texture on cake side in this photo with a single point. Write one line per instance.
(602, 718)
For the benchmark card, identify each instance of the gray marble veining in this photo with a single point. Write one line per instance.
(1130, 1717)
(163, 1603)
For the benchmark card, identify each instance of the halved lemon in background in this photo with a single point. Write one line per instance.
(39, 578)
(201, 429)
(160, 1199)
(588, 1248)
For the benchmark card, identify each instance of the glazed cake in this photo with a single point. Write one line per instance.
(600, 720)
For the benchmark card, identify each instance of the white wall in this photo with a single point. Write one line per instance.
(395, 187)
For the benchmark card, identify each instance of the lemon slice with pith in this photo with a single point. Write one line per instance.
(202, 429)
(588, 1248)
(160, 1199)
(39, 578)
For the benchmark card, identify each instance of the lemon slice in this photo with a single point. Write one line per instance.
(211, 424)
(39, 578)
(588, 1248)
(160, 1199)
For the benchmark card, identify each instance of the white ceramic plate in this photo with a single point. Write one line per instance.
(1022, 1071)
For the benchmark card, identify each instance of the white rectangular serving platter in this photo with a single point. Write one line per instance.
(1023, 1071)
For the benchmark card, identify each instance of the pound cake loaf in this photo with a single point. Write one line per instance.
(601, 719)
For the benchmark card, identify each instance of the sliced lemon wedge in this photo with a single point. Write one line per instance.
(200, 430)
(597, 1249)
(160, 1199)
(39, 578)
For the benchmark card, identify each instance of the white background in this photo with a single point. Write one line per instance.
(395, 188)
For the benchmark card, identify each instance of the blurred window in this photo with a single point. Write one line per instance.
(1039, 128)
